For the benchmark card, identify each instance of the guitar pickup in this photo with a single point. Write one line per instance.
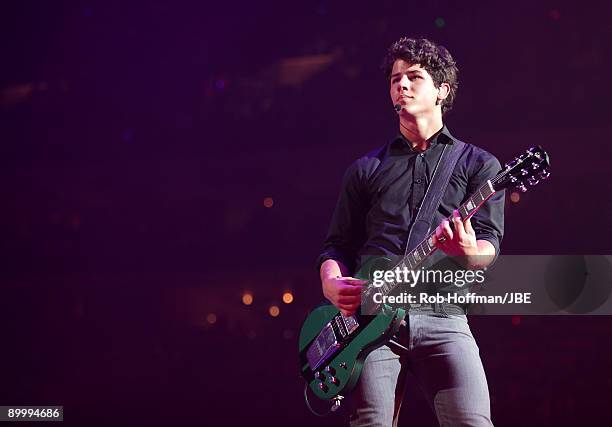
(323, 347)
(350, 323)
(340, 326)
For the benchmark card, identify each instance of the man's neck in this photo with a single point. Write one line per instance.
(418, 130)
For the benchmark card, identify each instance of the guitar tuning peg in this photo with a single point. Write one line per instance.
(532, 180)
(544, 174)
(513, 180)
(524, 172)
(535, 166)
(521, 187)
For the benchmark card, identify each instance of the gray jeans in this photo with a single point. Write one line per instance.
(443, 358)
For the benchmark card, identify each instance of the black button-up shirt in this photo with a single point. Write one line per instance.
(381, 193)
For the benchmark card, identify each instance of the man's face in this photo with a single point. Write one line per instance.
(413, 88)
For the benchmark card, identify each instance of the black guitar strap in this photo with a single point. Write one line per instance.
(437, 186)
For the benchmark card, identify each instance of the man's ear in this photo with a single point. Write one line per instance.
(443, 91)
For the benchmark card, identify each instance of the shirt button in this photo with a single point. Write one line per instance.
(419, 180)
(422, 155)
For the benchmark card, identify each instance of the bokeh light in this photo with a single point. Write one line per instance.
(287, 297)
(247, 298)
(274, 311)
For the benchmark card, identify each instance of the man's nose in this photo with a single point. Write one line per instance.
(404, 84)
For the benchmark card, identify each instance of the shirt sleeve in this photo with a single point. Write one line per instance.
(346, 232)
(488, 221)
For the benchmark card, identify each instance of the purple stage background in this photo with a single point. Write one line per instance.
(161, 159)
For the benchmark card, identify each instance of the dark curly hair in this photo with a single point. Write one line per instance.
(435, 59)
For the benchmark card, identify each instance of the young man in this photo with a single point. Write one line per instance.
(380, 196)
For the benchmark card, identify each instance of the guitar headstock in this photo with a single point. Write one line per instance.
(528, 168)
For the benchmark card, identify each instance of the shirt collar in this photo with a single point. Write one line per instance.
(442, 136)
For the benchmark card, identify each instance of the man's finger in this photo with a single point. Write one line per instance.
(446, 230)
(350, 290)
(458, 224)
(468, 227)
(349, 299)
(353, 280)
(440, 238)
(348, 306)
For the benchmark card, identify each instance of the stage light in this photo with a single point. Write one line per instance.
(247, 298)
(515, 197)
(211, 318)
(274, 310)
(287, 297)
(268, 202)
(296, 71)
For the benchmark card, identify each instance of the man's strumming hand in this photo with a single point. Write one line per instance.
(344, 293)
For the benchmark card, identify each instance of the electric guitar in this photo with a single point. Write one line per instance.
(332, 347)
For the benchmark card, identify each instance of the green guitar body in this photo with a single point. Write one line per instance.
(338, 373)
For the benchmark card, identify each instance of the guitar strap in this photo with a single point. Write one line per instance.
(437, 186)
